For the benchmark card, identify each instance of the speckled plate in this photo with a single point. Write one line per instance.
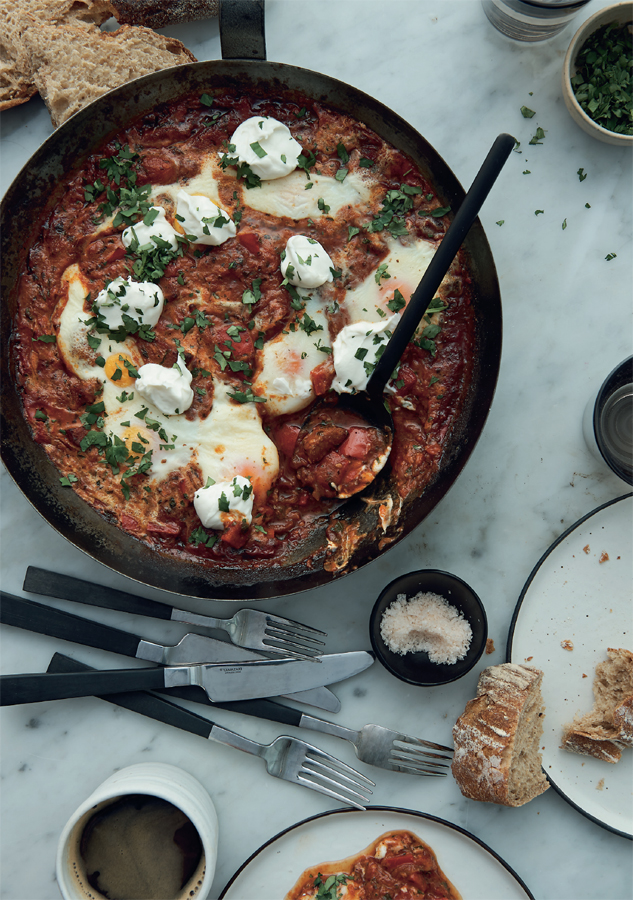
(576, 594)
(473, 868)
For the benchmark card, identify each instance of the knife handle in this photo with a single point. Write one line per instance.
(140, 701)
(38, 687)
(65, 587)
(53, 622)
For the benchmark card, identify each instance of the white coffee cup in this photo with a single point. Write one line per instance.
(160, 780)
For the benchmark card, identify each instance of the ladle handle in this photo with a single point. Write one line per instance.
(439, 265)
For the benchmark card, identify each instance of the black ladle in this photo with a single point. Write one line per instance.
(369, 404)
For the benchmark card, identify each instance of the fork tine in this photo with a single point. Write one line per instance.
(287, 623)
(327, 779)
(284, 634)
(290, 646)
(285, 653)
(418, 742)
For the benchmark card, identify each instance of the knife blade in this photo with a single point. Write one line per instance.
(193, 648)
(221, 682)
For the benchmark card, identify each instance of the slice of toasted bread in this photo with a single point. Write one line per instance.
(16, 71)
(161, 13)
(73, 67)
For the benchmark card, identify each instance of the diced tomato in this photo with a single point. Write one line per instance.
(322, 377)
(407, 375)
(128, 522)
(164, 528)
(356, 444)
(249, 240)
(157, 170)
(117, 253)
(241, 346)
(390, 862)
(286, 438)
(234, 535)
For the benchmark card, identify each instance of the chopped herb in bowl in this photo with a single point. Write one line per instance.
(602, 82)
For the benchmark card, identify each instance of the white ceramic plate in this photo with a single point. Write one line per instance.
(475, 870)
(572, 596)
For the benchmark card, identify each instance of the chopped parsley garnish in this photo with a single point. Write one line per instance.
(329, 889)
(602, 82)
(539, 212)
(342, 154)
(366, 163)
(306, 160)
(46, 338)
(206, 100)
(394, 207)
(581, 174)
(440, 211)
(67, 480)
(252, 295)
(610, 256)
(352, 231)
(200, 536)
(341, 174)
(381, 272)
(322, 205)
(246, 396)
(41, 415)
(242, 170)
(308, 325)
(527, 113)
(397, 302)
(500, 222)
(258, 150)
(538, 137)
(564, 226)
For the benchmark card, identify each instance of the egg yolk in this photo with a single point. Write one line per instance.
(117, 371)
(137, 441)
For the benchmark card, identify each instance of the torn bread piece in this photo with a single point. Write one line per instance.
(73, 67)
(497, 757)
(608, 728)
(16, 70)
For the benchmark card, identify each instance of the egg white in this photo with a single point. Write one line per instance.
(288, 359)
(229, 441)
(406, 264)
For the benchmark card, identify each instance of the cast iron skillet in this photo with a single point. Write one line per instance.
(40, 183)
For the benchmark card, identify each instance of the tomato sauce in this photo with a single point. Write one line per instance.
(205, 314)
(398, 865)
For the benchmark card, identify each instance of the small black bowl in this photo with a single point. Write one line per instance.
(417, 668)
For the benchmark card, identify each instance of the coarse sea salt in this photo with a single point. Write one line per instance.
(426, 622)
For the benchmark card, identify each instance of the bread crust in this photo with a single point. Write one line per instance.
(500, 729)
(161, 13)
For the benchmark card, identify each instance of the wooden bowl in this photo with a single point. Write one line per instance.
(617, 12)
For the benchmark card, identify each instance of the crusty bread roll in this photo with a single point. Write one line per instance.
(16, 70)
(161, 13)
(73, 67)
(497, 757)
(608, 728)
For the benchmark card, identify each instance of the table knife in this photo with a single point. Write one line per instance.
(193, 648)
(222, 682)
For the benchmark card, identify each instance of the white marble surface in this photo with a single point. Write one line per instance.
(567, 323)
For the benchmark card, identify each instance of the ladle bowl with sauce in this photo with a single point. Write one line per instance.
(323, 457)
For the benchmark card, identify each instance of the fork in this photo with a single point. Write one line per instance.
(250, 628)
(286, 757)
(373, 744)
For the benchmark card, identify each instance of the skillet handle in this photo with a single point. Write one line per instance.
(242, 29)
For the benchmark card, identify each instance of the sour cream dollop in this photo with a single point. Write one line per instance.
(267, 146)
(140, 300)
(169, 390)
(353, 366)
(306, 264)
(201, 218)
(159, 228)
(220, 504)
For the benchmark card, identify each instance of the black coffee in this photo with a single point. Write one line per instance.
(140, 848)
